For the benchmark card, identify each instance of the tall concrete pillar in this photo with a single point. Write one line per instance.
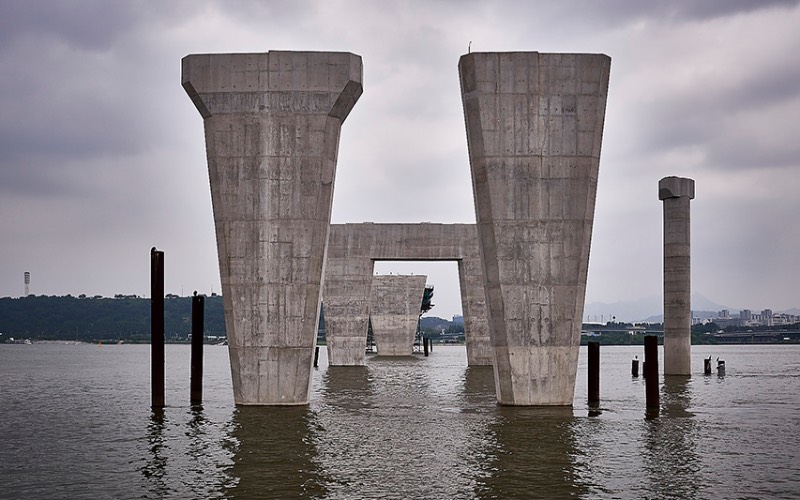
(534, 128)
(676, 192)
(272, 123)
(394, 308)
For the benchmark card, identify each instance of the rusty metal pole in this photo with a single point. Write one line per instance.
(157, 327)
(198, 327)
(651, 372)
(594, 372)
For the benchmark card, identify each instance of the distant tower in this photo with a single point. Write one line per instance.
(27, 283)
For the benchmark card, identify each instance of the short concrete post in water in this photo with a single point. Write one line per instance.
(651, 372)
(707, 366)
(272, 123)
(676, 192)
(198, 332)
(157, 327)
(635, 367)
(534, 130)
(594, 372)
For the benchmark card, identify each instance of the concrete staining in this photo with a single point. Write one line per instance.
(352, 251)
(676, 192)
(534, 128)
(395, 308)
(272, 123)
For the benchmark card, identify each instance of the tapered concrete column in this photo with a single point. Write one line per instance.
(534, 128)
(473, 306)
(395, 308)
(348, 285)
(676, 192)
(272, 123)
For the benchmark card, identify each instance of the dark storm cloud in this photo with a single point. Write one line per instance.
(613, 12)
(711, 115)
(85, 24)
(68, 90)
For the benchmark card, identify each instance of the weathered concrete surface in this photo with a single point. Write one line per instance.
(676, 192)
(272, 123)
(352, 250)
(395, 308)
(534, 128)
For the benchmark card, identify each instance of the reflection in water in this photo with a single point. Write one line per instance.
(347, 386)
(671, 463)
(535, 455)
(412, 437)
(155, 468)
(479, 385)
(275, 456)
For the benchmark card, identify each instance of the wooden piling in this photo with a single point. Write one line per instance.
(198, 328)
(157, 327)
(316, 356)
(651, 372)
(425, 345)
(635, 367)
(594, 372)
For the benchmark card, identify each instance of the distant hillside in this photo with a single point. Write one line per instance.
(434, 323)
(98, 318)
(644, 310)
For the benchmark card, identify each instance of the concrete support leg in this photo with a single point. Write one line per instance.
(347, 290)
(676, 192)
(473, 305)
(534, 128)
(394, 309)
(272, 123)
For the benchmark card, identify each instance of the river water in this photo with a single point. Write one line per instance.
(75, 422)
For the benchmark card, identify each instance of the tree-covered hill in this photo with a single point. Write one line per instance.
(102, 318)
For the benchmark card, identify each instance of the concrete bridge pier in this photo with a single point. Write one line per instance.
(352, 250)
(395, 308)
(272, 123)
(676, 193)
(534, 128)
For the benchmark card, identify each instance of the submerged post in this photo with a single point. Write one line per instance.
(594, 372)
(198, 327)
(651, 372)
(157, 327)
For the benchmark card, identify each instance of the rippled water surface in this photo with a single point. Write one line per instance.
(75, 422)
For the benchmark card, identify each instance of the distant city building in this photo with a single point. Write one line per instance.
(746, 318)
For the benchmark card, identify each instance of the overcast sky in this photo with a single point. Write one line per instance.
(102, 153)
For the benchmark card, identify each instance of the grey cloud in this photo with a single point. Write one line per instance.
(86, 24)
